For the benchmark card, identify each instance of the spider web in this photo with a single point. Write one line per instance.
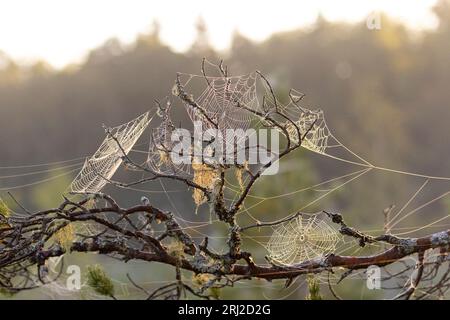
(226, 100)
(99, 168)
(312, 128)
(220, 102)
(160, 155)
(301, 239)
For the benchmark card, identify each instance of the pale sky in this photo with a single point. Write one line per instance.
(62, 31)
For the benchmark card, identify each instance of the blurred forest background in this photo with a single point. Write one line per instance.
(385, 94)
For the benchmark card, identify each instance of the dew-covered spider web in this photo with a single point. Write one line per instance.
(99, 168)
(312, 129)
(300, 239)
(310, 126)
(227, 101)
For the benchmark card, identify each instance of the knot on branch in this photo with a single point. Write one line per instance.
(349, 231)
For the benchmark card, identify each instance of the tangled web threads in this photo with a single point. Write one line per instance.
(301, 239)
(161, 154)
(313, 128)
